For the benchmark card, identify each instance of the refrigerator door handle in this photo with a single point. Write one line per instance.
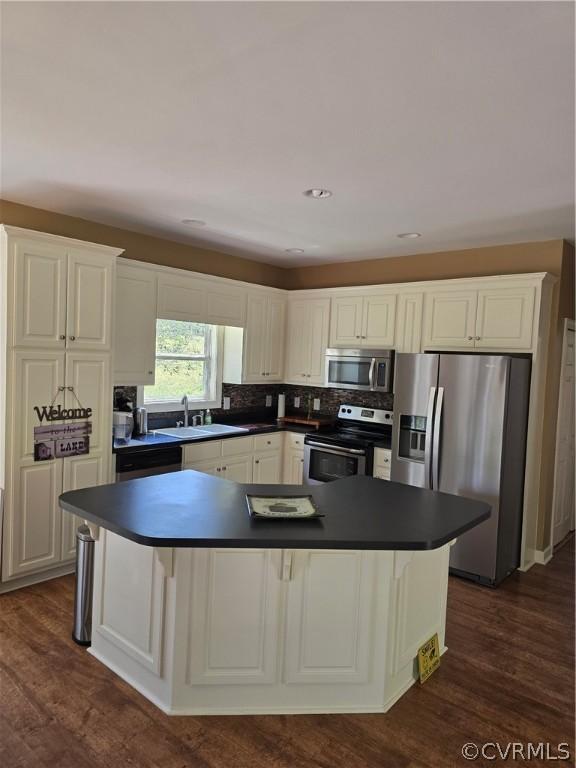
(436, 441)
(428, 439)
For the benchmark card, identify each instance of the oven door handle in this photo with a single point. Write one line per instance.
(333, 449)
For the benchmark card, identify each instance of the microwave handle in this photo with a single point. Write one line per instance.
(371, 373)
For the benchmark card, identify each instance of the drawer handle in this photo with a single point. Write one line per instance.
(72, 338)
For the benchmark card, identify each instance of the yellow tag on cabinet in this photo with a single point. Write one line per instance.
(428, 658)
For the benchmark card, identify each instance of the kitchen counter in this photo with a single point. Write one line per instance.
(193, 509)
(154, 440)
(206, 611)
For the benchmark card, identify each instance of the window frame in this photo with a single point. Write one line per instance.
(167, 406)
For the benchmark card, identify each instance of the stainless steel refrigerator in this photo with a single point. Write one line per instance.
(460, 426)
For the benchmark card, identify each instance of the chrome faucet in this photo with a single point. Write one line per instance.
(184, 402)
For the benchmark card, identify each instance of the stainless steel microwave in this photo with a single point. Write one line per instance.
(367, 369)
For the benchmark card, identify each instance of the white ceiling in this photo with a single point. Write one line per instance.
(451, 119)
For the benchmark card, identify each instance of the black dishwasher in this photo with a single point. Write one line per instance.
(145, 462)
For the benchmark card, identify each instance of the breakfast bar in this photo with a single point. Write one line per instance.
(207, 610)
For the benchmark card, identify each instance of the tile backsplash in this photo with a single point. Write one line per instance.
(251, 399)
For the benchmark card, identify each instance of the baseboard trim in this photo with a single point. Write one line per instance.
(543, 556)
(36, 578)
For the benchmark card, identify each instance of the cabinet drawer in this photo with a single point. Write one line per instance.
(295, 440)
(202, 451)
(268, 442)
(234, 446)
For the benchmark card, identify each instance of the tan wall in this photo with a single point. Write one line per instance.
(473, 262)
(154, 250)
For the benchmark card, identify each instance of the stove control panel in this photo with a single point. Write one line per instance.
(361, 413)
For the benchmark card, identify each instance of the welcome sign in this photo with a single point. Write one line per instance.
(61, 440)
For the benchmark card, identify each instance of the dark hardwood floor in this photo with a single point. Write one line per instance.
(507, 677)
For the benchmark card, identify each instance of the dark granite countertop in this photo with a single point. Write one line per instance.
(154, 440)
(193, 509)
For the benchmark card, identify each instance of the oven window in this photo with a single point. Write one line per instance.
(349, 372)
(325, 466)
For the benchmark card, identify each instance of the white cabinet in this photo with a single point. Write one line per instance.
(267, 468)
(382, 463)
(58, 296)
(255, 354)
(183, 296)
(306, 340)
(409, 322)
(237, 468)
(135, 326)
(239, 589)
(293, 458)
(491, 318)
(328, 631)
(62, 295)
(450, 319)
(363, 321)
(505, 318)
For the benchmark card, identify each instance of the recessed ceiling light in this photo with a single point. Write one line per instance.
(318, 194)
(294, 250)
(194, 222)
(409, 235)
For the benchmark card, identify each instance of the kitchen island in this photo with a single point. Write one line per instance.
(206, 610)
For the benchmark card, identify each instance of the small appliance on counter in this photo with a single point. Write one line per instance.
(349, 449)
(140, 421)
(122, 425)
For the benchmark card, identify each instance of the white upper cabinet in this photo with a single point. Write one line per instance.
(255, 354)
(409, 322)
(63, 294)
(488, 318)
(363, 321)
(200, 300)
(89, 301)
(307, 339)
(450, 319)
(135, 325)
(505, 318)
(39, 295)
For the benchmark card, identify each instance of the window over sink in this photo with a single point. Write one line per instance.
(188, 362)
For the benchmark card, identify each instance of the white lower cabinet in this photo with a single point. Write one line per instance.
(293, 459)
(382, 463)
(238, 468)
(267, 468)
(248, 459)
(329, 616)
(79, 472)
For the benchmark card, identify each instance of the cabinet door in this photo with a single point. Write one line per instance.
(267, 468)
(274, 345)
(329, 617)
(89, 301)
(135, 326)
(32, 528)
(238, 468)
(39, 295)
(237, 588)
(79, 472)
(379, 318)
(255, 340)
(346, 321)
(293, 467)
(298, 341)
(408, 333)
(181, 298)
(225, 305)
(318, 321)
(450, 319)
(209, 467)
(505, 318)
(89, 377)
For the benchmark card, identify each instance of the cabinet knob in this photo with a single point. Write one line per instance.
(62, 336)
(217, 469)
(357, 337)
(224, 469)
(72, 338)
(61, 389)
(470, 338)
(150, 373)
(256, 461)
(477, 338)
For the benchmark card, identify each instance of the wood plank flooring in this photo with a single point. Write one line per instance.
(507, 677)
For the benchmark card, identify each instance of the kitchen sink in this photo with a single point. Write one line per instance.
(196, 433)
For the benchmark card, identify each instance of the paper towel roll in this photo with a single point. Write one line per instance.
(281, 406)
